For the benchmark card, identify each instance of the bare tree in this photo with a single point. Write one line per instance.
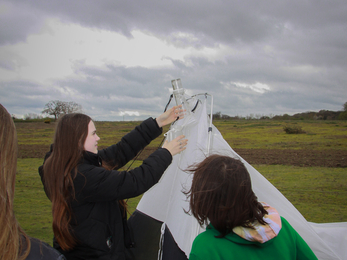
(57, 108)
(71, 107)
(345, 107)
(217, 115)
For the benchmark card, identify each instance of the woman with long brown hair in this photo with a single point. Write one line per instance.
(15, 244)
(238, 226)
(86, 189)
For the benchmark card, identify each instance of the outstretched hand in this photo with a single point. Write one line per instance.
(177, 145)
(170, 115)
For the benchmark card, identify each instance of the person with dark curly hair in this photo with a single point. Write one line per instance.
(238, 226)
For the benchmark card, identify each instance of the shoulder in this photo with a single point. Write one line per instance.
(206, 235)
(43, 251)
(303, 251)
(284, 221)
(200, 246)
(89, 176)
(204, 240)
(89, 163)
(286, 226)
(288, 233)
(207, 246)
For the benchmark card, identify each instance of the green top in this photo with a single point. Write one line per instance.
(288, 244)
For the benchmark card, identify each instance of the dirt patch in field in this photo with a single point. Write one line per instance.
(323, 158)
(306, 158)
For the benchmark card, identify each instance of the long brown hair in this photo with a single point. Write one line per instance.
(14, 243)
(221, 193)
(59, 171)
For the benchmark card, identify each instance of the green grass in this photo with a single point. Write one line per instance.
(247, 134)
(269, 134)
(318, 193)
(35, 133)
(32, 207)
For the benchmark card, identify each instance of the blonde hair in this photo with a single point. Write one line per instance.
(14, 243)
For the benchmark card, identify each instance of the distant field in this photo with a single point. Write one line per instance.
(318, 191)
(269, 134)
(245, 134)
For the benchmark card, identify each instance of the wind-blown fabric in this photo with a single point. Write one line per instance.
(166, 203)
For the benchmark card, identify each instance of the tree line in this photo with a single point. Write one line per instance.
(321, 115)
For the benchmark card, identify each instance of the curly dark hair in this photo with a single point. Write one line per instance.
(221, 193)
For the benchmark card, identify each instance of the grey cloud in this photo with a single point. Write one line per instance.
(22, 97)
(18, 20)
(310, 32)
(135, 81)
(148, 89)
(247, 20)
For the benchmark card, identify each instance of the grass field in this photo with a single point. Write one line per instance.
(269, 134)
(319, 193)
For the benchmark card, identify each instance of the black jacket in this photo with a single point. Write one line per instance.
(99, 222)
(40, 250)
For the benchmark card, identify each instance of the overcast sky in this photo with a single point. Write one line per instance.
(118, 58)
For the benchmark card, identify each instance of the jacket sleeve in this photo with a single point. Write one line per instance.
(121, 153)
(98, 184)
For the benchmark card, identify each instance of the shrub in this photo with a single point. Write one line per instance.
(293, 129)
(47, 121)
